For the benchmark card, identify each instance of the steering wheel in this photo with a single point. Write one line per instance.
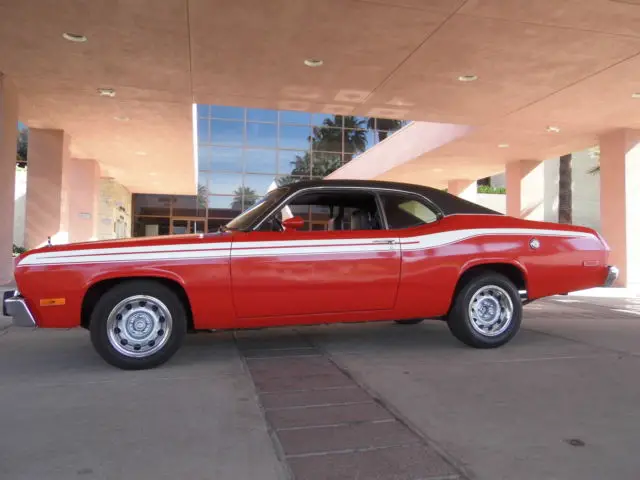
(276, 224)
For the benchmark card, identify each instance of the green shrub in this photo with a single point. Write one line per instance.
(18, 250)
(490, 189)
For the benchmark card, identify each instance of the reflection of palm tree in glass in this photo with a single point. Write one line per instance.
(250, 197)
(326, 139)
(383, 126)
(203, 194)
(355, 137)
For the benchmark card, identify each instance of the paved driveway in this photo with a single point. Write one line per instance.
(376, 401)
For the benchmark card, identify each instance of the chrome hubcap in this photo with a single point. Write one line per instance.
(490, 311)
(139, 326)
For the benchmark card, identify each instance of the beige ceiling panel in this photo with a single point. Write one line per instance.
(447, 6)
(609, 16)
(141, 44)
(255, 48)
(601, 102)
(516, 64)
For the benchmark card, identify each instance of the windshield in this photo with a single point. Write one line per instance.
(261, 207)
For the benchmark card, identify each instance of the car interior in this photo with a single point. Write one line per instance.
(335, 211)
(352, 210)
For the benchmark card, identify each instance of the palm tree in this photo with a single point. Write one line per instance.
(594, 154)
(248, 194)
(22, 147)
(383, 126)
(564, 189)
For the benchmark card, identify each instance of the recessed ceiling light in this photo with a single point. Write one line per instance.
(437, 170)
(313, 62)
(153, 174)
(503, 145)
(141, 153)
(635, 95)
(121, 118)
(553, 129)
(74, 37)
(106, 92)
(468, 78)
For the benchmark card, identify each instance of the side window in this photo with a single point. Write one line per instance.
(406, 211)
(334, 210)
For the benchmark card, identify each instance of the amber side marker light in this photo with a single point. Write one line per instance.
(51, 302)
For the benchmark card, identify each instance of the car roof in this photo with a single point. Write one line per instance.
(448, 203)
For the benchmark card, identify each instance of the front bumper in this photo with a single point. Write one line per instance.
(13, 305)
(612, 275)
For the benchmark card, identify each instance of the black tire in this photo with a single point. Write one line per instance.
(413, 321)
(112, 298)
(466, 330)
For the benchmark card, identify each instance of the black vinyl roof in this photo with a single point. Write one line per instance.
(447, 203)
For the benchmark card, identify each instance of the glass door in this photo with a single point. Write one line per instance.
(182, 226)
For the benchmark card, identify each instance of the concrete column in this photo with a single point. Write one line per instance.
(47, 206)
(619, 201)
(466, 189)
(8, 142)
(525, 189)
(84, 182)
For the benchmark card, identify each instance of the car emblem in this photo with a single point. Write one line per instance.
(534, 243)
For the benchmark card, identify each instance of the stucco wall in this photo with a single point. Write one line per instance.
(498, 181)
(494, 201)
(114, 211)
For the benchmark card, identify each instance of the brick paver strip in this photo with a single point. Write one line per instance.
(310, 398)
(328, 415)
(397, 463)
(324, 425)
(345, 437)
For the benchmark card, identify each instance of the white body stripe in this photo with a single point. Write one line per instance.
(445, 238)
(127, 257)
(280, 247)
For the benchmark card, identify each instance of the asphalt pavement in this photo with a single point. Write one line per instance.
(364, 401)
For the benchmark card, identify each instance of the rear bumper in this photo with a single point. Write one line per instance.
(612, 275)
(14, 306)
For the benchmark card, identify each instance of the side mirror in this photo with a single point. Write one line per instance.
(293, 223)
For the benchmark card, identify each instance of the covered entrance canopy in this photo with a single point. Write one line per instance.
(570, 64)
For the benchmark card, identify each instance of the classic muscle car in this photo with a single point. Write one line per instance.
(311, 252)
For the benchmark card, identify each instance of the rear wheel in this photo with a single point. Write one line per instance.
(487, 312)
(138, 324)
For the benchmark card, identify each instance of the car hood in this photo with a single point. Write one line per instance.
(176, 240)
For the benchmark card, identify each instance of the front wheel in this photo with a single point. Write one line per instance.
(138, 324)
(487, 312)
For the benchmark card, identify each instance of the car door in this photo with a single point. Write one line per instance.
(428, 274)
(330, 266)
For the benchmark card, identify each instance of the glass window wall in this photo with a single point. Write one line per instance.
(243, 153)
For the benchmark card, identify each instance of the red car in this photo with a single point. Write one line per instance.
(310, 253)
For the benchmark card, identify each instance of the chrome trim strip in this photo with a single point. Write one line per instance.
(612, 275)
(439, 213)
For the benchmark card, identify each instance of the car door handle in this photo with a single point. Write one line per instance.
(386, 242)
